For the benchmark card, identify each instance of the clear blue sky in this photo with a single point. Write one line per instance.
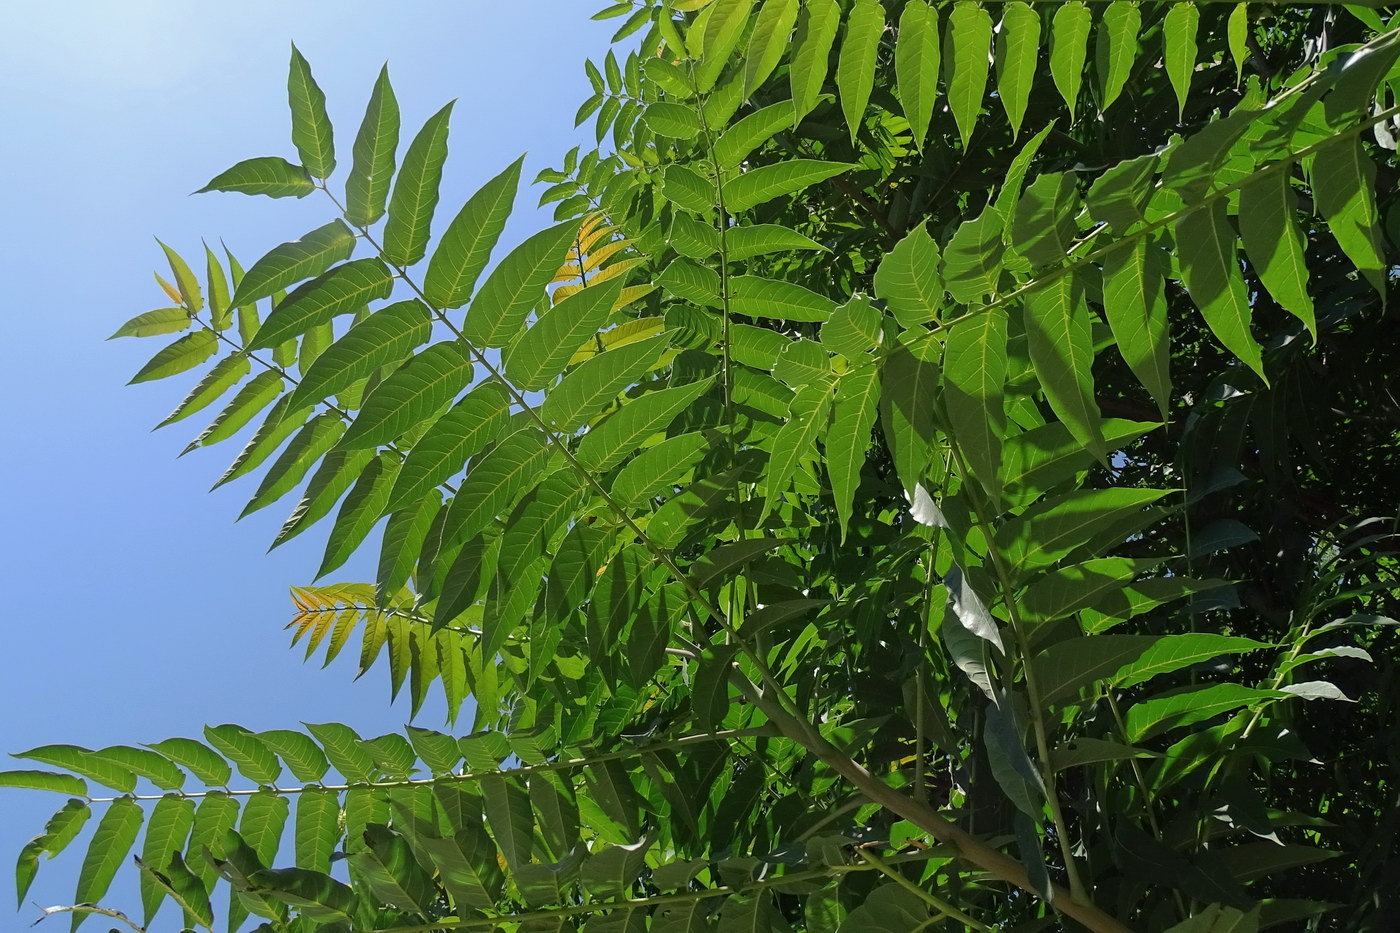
(136, 608)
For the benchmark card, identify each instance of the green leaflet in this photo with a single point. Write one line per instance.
(1205, 248)
(85, 762)
(220, 312)
(215, 815)
(428, 381)
(781, 178)
(907, 279)
(225, 374)
(147, 764)
(1043, 227)
(855, 71)
(597, 381)
(853, 329)
(264, 817)
(1017, 50)
(169, 826)
(909, 388)
(657, 469)
(1237, 32)
(510, 817)
(916, 60)
(758, 239)
(373, 157)
(972, 259)
(735, 144)
(974, 374)
(292, 262)
(467, 242)
(1069, 38)
(467, 866)
(44, 780)
(315, 439)
(154, 323)
(182, 355)
(58, 832)
(687, 190)
(771, 32)
(1055, 527)
(252, 758)
(1119, 195)
(496, 482)
(302, 756)
(1188, 705)
(1056, 594)
(415, 194)
(675, 120)
(723, 29)
(343, 290)
(1124, 660)
(311, 126)
(382, 339)
(1062, 351)
(770, 298)
(338, 470)
(404, 534)
(537, 356)
(190, 295)
(1343, 182)
(811, 54)
(444, 448)
(796, 440)
(1275, 245)
(204, 764)
(965, 60)
(1135, 304)
(516, 285)
(1179, 35)
(1116, 48)
(854, 407)
(608, 444)
(279, 424)
(271, 176)
(115, 834)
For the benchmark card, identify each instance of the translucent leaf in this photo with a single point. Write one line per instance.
(811, 53)
(154, 323)
(516, 285)
(275, 428)
(225, 374)
(855, 70)
(771, 298)
(1343, 182)
(735, 144)
(311, 125)
(345, 749)
(1124, 660)
(1179, 32)
(314, 440)
(537, 357)
(44, 780)
(317, 828)
(606, 445)
(1017, 51)
(271, 176)
(496, 482)
(510, 817)
(264, 817)
(966, 63)
(916, 60)
(115, 834)
(598, 381)
(972, 260)
(182, 355)
(374, 154)
(1062, 351)
(83, 761)
(1069, 38)
(771, 34)
(1205, 248)
(147, 764)
(1116, 48)
(1135, 304)
(254, 760)
(907, 279)
(444, 448)
(207, 766)
(1237, 33)
(1043, 227)
(796, 440)
(467, 242)
(345, 289)
(292, 262)
(1055, 527)
(781, 178)
(301, 755)
(974, 376)
(168, 828)
(423, 385)
(415, 196)
(723, 27)
(384, 338)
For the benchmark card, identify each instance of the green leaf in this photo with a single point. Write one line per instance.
(345, 289)
(182, 355)
(1059, 593)
(781, 178)
(1116, 48)
(264, 817)
(302, 756)
(1087, 751)
(147, 764)
(466, 244)
(510, 817)
(1062, 351)
(916, 61)
(404, 534)
(444, 448)
(317, 828)
(1043, 227)
(415, 194)
(853, 329)
(537, 356)
(271, 176)
(811, 53)
(674, 120)
(467, 866)
(253, 759)
(85, 762)
(373, 157)
(687, 190)
(1343, 183)
(972, 259)
(1179, 36)
(854, 407)
(423, 385)
(496, 482)
(185, 281)
(166, 833)
(44, 780)
(516, 285)
(772, 31)
(1275, 245)
(965, 62)
(275, 428)
(112, 840)
(613, 870)
(1069, 38)
(311, 125)
(315, 439)
(292, 262)
(908, 390)
(345, 749)
(658, 468)
(723, 27)
(974, 376)
(155, 323)
(1190, 705)
(1066, 667)
(217, 813)
(384, 338)
(770, 298)
(1134, 302)
(907, 279)
(609, 443)
(855, 70)
(1055, 527)
(738, 142)
(60, 830)
(1017, 49)
(203, 763)
(1205, 248)
(597, 381)
(364, 506)
(227, 372)
(1237, 35)
(247, 402)
(1118, 196)
(796, 440)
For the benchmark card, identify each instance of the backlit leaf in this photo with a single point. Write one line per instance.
(467, 242)
(968, 39)
(415, 196)
(345, 289)
(516, 285)
(421, 386)
(271, 176)
(1017, 49)
(311, 126)
(374, 155)
(916, 60)
(855, 70)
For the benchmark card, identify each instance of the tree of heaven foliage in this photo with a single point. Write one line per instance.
(933, 473)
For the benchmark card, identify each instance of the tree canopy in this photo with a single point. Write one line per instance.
(937, 469)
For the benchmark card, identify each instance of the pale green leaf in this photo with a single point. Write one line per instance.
(811, 53)
(364, 505)
(781, 178)
(1205, 248)
(423, 385)
(383, 339)
(606, 445)
(311, 125)
(467, 242)
(537, 356)
(345, 289)
(853, 412)
(1017, 50)
(1062, 351)
(597, 381)
(855, 70)
(154, 323)
(974, 376)
(115, 834)
(1069, 39)
(223, 376)
(44, 780)
(166, 832)
(916, 61)
(203, 762)
(1275, 245)
(415, 194)
(1344, 182)
(1237, 35)
(1179, 35)
(1116, 48)
(735, 144)
(373, 157)
(252, 758)
(770, 298)
(1066, 667)
(966, 62)
(907, 279)
(182, 355)
(771, 34)
(1043, 227)
(271, 176)
(445, 447)
(796, 440)
(1134, 302)
(314, 440)
(292, 262)
(516, 286)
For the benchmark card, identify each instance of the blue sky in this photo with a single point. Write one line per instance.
(137, 609)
